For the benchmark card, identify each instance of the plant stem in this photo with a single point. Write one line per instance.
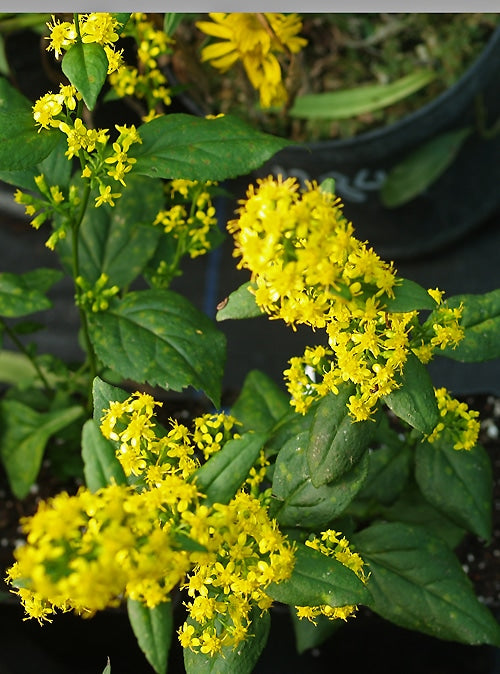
(25, 351)
(76, 273)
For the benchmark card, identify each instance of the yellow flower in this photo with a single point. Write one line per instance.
(458, 425)
(62, 35)
(254, 39)
(106, 196)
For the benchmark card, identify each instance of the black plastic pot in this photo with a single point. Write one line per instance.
(463, 197)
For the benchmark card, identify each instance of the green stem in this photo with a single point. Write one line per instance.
(25, 351)
(76, 273)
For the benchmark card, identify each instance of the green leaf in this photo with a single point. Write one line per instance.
(409, 296)
(21, 146)
(336, 442)
(86, 67)
(421, 168)
(55, 167)
(11, 99)
(239, 660)
(365, 98)
(415, 401)
(311, 635)
(481, 323)
(224, 473)
(417, 582)
(159, 337)
(239, 304)
(122, 18)
(388, 472)
(319, 580)
(153, 628)
(298, 503)
(171, 21)
(261, 403)
(107, 669)
(24, 434)
(120, 240)
(195, 148)
(413, 509)
(101, 467)
(23, 294)
(104, 393)
(458, 483)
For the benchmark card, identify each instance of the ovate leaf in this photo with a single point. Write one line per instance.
(458, 483)
(318, 580)
(195, 148)
(101, 467)
(24, 434)
(224, 473)
(86, 67)
(417, 582)
(240, 304)
(415, 401)
(336, 442)
(409, 296)
(261, 403)
(153, 628)
(23, 294)
(239, 660)
(159, 337)
(21, 146)
(481, 323)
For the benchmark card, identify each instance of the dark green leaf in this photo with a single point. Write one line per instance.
(458, 483)
(23, 294)
(336, 442)
(388, 472)
(239, 304)
(261, 403)
(224, 473)
(101, 466)
(481, 323)
(409, 296)
(415, 401)
(422, 168)
(21, 146)
(413, 509)
(298, 502)
(120, 240)
(11, 99)
(159, 337)
(418, 583)
(185, 146)
(24, 434)
(319, 580)
(311, 635)
(349, 103)
(153, 628)
(86, 67)
(104, 393)
(171, 20)
(122, 18)
(55, 167)
(239, 660)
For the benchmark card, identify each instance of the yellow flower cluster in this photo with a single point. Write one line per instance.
(145, 80)
(96, 27)
(307, 267)
(333, 544)
(459, 426)
(51, 203)
(95, 297)
(256, 40)
(191, 221)
(93, 550)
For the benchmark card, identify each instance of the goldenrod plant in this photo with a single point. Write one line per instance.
(316, 498)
